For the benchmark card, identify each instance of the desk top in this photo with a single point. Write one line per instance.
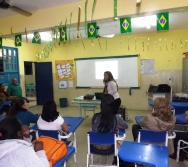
(180, 118)
(146, 154)
(80, 100)
(138, 118)
(72, 122)
(180, 104)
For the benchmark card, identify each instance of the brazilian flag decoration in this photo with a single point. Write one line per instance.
(36, 38)
(1, 42)
(18, 40)
(63, 33)
(92, 29)
(125, 24)
(162, 21)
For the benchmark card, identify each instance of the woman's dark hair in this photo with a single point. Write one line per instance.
(108, 120)
(16, 107)
(110, 78)
(9, 128)
(49, 111)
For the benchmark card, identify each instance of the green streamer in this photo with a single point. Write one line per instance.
(93, 8)
(86, 16)
(115, 10)
(70, 24)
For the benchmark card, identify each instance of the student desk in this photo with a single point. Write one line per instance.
(138, 118)
(146, 154)
(180, 107)
(80, 100)
(73, 123)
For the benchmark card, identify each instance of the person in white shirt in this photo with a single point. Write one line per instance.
(111, 87)
(50, 118)
(16, 147)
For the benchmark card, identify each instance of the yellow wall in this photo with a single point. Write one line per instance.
(52, 17)
(27, 52)
(165, 48)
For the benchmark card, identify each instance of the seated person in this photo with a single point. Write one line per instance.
(162, 119)
(17, 152)
(14, 89)
(20, 110)
(106, 121)
(50, 118)
(180, 136)
(5, 95)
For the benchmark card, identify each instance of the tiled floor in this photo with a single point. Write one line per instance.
(86, 126)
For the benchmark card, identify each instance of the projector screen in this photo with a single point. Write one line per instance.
(125, 69)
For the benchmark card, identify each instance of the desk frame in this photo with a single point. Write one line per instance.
(80, 100)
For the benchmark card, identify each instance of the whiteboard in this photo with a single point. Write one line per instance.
(127, 71)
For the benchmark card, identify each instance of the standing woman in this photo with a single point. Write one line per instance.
(111, 87)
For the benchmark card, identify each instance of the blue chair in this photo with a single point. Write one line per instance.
(172, 135)
(101, 139)
(57, 135)
(71, 150)
(2, 117)
(154, 137)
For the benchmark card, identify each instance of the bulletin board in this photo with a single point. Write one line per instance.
(64, 69)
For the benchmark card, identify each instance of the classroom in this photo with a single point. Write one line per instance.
(163, 50)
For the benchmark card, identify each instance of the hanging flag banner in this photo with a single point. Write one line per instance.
(18, 40)
(63, 34)
(36, 38)
(125, 24)
(162, 21)
(92, 29)
(1, 42)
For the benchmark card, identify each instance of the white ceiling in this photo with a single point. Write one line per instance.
(177, 18)
(32, 5)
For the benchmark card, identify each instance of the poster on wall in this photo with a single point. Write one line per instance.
(64, 69)
(147, 66)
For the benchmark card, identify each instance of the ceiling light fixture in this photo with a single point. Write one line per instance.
(145, 21)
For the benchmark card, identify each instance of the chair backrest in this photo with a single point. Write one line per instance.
(148, 136)
(2, 117)
(101, 139)
(51, 133)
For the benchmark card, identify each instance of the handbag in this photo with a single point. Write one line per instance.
(55, 149)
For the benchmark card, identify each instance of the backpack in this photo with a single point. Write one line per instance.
(55, 149)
